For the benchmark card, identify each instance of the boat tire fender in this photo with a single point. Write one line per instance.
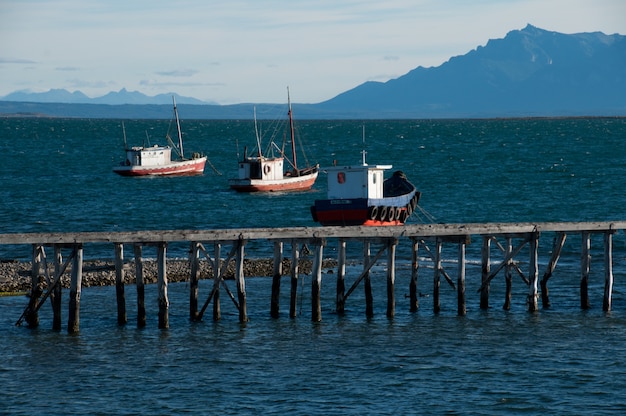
(382, 213)
(391, 214)
(267, 169)
(373, 212)
(403, 215)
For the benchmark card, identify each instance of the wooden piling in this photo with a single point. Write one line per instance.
(32, 315)
(76, 279)
(241, 282)
(194, 266)
(413, 294)
(608, 271)
(217, 280)
(119, 284)
(533, 274)
(559, 241)
(341, 275)
(316, 282)
(391, 277)
(486, 271)
(585, 265)
(276, 277)
(293, 296)
(437, 276)
(367, 283)
(55, 296)
(164, 303)
(461, 308)
(141, 303)
(508, 275)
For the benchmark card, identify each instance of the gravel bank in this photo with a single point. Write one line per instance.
(15, 275)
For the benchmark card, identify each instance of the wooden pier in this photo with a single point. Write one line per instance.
(508, 238)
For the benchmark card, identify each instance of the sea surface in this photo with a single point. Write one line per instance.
(56, 176)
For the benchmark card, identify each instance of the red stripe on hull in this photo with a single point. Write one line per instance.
(259, 186)
(351, 217)
(179, 169)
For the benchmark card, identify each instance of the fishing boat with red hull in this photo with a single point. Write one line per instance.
(157, 160)
(270, 173)
(359, 195)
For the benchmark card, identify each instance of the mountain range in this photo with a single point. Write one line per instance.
(530, 72)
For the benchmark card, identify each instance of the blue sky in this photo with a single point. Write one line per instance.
(249, 51)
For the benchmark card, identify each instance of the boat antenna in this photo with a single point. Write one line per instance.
(293, 141)
(180, 135)
(364, 152)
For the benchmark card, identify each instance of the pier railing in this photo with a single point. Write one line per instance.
(419, 235)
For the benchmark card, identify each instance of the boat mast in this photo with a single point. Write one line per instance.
(293, 141)
(258, 137)
(180, 135)
(124, 132)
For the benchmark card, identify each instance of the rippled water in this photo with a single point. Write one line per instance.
(558, 361)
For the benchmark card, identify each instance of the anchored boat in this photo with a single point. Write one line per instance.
(157, 160)
(359, 195)
(268, 173)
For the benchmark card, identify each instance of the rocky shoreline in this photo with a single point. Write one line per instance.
(15, 276)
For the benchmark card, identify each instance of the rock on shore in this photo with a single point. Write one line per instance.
(15, 276)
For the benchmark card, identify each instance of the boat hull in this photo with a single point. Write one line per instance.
(175, 168)
(360, 211)
(286, 184)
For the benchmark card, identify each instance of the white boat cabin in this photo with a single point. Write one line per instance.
(149, 156)
(360, 181)
(261, 168)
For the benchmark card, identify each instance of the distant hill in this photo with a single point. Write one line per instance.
(120, 97)
(530, 72)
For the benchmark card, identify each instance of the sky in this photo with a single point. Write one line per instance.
(250, 51)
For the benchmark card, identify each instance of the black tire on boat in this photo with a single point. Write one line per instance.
(391, 213)
(399, 212)
(404, 214)
(414, 202)
(373, 212)
(382, 213)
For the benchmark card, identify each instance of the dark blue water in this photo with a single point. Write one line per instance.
(57, 177)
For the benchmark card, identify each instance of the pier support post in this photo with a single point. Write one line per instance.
(341, 276)
(413, 295)
(141, 303)
(585, 265)
(241, 282)
(437, 276)
(76, 280)
(55, 296)
(608, 271)
(293, 297)
(32, 315)
(461, 309)
(391, 277)
(533, 273)
(119, 284)
(316, 284)
(508, 274)
(194, 266)
(164, 303)
(217, 280)
(559, 241)
(367, 282)
(486, 271)
(278, 272)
